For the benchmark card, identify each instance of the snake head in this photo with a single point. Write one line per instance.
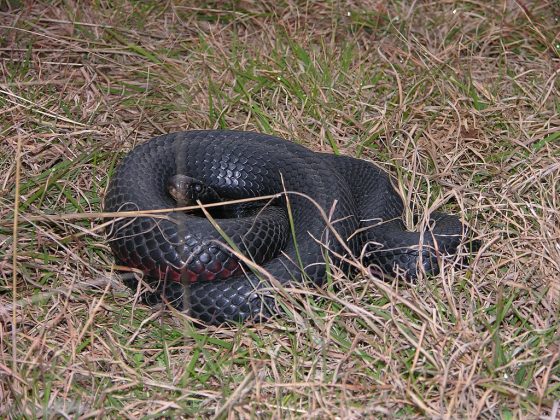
(186, 191)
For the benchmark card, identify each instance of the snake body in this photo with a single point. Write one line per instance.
(354, 210)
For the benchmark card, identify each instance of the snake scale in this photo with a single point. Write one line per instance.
(354, 210)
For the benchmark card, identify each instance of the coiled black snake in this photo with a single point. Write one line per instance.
(357, 196)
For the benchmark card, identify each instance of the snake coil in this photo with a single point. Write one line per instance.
(364, 209)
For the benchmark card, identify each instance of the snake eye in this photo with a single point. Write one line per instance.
(197, 188)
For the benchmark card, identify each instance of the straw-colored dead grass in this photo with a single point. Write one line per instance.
(458, 99)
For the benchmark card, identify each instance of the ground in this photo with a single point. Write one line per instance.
(459, 100)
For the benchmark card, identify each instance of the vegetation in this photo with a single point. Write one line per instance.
(458, 99)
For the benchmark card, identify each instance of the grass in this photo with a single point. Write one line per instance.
(459, 100)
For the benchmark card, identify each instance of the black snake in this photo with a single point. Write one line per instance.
(355, 211)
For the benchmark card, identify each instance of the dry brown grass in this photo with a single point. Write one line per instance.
(459, 99)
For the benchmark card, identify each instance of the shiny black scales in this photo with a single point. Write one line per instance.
(177, 248)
